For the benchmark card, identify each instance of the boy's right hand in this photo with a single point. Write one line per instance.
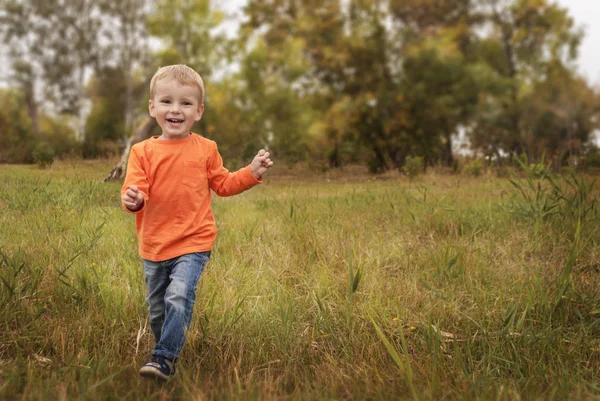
(133, 198)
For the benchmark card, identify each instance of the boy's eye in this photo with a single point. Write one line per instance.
(187, 103)
(165, 101)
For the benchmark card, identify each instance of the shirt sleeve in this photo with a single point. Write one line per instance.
(224, 182)
(136, 175)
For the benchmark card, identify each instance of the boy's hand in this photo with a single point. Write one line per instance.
(133, 198)
(261, 163)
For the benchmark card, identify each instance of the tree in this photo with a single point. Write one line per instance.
(344, 60)
(59, 40)
(527, 37)
(185, 28)
(129, 49)
(435, 40)
(440, 93)
(15, 128)
(16, 134)
(106, 123)
(561, 112)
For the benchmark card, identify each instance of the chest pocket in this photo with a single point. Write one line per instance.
(194, 174)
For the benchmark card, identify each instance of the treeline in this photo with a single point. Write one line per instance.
(331, 81)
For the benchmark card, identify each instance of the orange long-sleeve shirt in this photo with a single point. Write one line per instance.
(175, 178)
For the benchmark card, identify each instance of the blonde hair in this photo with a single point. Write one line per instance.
(183, 74)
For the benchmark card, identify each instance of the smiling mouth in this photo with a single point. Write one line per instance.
(174, 120)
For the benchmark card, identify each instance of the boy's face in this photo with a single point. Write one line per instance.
(176, 108)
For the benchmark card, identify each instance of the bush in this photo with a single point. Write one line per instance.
(413, 166)
(57, 133)
(592, 158)
(43, 155)
(474, 168)
(16, 135)
(375, 165)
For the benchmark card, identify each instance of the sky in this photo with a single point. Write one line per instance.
(586, 14)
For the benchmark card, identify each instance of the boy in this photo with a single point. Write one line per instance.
(167, 186)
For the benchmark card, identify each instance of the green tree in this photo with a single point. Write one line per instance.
(60, 41)
(16, 135)
(344, 67)
(440, 93)
(435, 40)
(106, 124)
(186, 30)
(561, 112)
(527, 38)
(130, 50)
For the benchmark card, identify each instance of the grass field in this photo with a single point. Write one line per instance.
(321, 287)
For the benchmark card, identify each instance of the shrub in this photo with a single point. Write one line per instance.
(43, 155)
(375, 165)
(413, 166)
(592, 158)
(474, 168)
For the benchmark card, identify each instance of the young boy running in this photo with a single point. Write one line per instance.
(167, 186)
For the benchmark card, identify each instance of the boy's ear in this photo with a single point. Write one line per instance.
(199, 113)
(151, 108)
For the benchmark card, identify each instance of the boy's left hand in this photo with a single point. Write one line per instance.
(261, 163)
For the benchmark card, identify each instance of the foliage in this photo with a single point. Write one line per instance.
(336, 82)
(413, 166)
(186, 28)
(592, 157)
(557, 114)
(106, 122)
(59, 134)
(15, 128)
(526, 77)
(17, 137)
(52, 45)
(474, 167)
(43, 155)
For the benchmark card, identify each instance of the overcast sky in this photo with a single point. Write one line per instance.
(585, 12)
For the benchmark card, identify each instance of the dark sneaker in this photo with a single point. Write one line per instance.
(158, 368)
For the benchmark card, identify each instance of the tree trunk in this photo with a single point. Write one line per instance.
(499, 158)
(32, 109)
(144, 131)
(334, 156)
(26, 80)
(448, 157)
(508, 31)
(81, 112)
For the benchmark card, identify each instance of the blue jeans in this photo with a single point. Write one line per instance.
(171, 296)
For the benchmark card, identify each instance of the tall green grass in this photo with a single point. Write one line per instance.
(443, 287)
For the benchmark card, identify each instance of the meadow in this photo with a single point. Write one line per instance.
(322, 286)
